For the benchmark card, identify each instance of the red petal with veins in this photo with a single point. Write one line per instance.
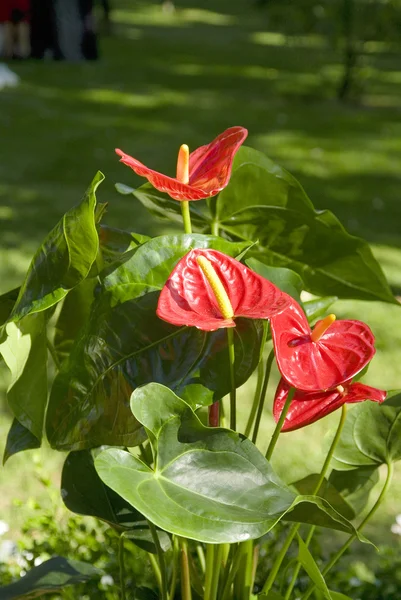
(342, 351)
(308, 407)
(209, 168)
(188, 299)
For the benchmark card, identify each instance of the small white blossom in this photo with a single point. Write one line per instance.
(4, 527)
(107, 580)
(396, 527)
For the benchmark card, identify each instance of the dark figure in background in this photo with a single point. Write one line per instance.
(64, 29)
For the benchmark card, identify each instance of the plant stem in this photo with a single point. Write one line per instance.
(262, 397)
(214, 585)
(186, 216)
(209, 570)
(230, 574)
(233, 398)
(323, 472)
(162, 564)
(280, 557)
(214, 414)
(53, 354)
(256, 397)
(214, 227)
(248, 570)
(156, 569)
(122, 566)
(186, 593)
(201, 557)
(279, 425)
(176, 551)
(344, 547)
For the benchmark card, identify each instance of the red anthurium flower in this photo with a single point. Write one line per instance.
(334, 352)
(201, 174)
(208, 289)
(308, 407)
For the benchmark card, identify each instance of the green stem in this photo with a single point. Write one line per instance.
(176, 552)
(323, 472)
(186, 593)
(122, 566)
(262, 397)
(162, 564)
(231, 573)
(248, 570)
(233, 398)
(280, 557)
(186, 216)
(280, 423)
(214, 227)
(156, 569)
(344, 547)
(256, 397)
(53, 354)
(201, 557)
(209, 570)
(218, 558)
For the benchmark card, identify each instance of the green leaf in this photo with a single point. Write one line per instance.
(355, 486)
(208, 484)
(338, 596)
(264, 202)
(50, 577)
(371, 436)
(307, 486)
(271, 596)
(116, 244)
(143, 539)
(286, 280)
(7, 302)
(64, 259)
(19, 438)
(314, 309)
(125, 345)
(84, 493)
(24, 350)
(308, 562)
(164, 207)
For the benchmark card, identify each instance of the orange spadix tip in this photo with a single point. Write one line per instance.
(183, 164)
(340, 389)
(218, 288)
(322, 327)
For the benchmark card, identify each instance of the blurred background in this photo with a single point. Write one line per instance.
(318, 85)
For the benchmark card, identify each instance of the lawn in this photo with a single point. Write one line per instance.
(184, 77)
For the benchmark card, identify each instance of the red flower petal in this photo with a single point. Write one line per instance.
(209, 168)
(188, 299)
(308, 407)
(342, 351)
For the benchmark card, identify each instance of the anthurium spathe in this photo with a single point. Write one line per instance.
(201, 174)
(208, 290)
(308, 407)
(322, 358)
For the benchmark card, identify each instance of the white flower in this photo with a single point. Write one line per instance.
(396, 528)
(107, 580)
(4, 527)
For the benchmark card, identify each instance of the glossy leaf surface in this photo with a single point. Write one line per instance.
(209, 168)
(189, 299)
(371, 436)
(208, 484)
(286, 280)
(125, 345)
(264, 202)
(84, 493)
(24, 350)
(19, 438)
(337, 356)
(64, 259)
(49, 578)
(308, 407)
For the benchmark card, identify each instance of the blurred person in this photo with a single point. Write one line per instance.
(44, 39)
(14, 18)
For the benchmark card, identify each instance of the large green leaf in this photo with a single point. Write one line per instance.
(19, 438)
(286, 280)
(125, 345)
(64, 259)
(115, 244)
(356, 485)
(7, 302)
(307, 485)
(208, 484)
(48, 578)
(263, 202)
(24, 350)
(371, 436)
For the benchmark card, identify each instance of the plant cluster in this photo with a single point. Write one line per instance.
(145, 334)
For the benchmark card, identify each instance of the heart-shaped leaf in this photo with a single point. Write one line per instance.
(24, 350)
(371, 436)
(50, 577)
(266, 203)
(63, 260)
(125, 345)
(208, 484)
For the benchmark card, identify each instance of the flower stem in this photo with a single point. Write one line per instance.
(214, 227)
(323, 472)
(233, 396)
(214, 414)
(186, 593)
(122, 565)
(280, 423)
(248, 570)
(344, 547)
(256, 397)
(209, 570)
(201, 557)
(230, 575)
(176, 551)
(186, 216)
(262, 396)
(160, 558)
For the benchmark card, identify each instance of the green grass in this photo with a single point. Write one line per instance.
(168, 79)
